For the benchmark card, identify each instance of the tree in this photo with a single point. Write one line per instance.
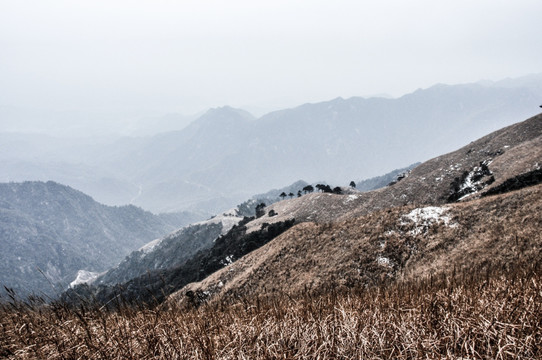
(260, 210)
(353, 184)
(337, 190)
(283, 195)
(308, 189)
(324, 188)
(291, 195)
(299, 193)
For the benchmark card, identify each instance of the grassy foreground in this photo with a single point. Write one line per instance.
(490, 315)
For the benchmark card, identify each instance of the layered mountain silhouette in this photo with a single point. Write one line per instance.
(468, 208)
(226, 155)
(338, 140)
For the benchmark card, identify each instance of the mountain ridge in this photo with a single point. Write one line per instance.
(214, 163)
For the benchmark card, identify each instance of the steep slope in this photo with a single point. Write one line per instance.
(414, 227)
(170, 251)
(156, 284)
(49, 231)
(396, 244)
(191, 251)
(335, 230)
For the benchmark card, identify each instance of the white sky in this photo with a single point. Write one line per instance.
(185, 56)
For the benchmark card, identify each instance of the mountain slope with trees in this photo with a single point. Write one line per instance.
(50, 231)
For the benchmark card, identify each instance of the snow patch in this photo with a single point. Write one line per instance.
(350, 198)
(84, 277)
(228, 219)
(425, 217)
(149, 247)
(472, 183)
(383, 261)
(228, 260)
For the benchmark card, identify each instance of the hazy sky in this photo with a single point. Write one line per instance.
(184, 56)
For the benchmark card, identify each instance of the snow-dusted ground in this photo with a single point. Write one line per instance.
(350, 198)
(228, 219)
(473, 186)
(84, 277)
(424, 217)
(149, 247)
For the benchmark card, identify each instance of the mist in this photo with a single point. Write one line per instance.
(106, 65)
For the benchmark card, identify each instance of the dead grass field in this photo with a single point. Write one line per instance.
(490, 314)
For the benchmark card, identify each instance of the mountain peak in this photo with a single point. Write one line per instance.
(228, 111)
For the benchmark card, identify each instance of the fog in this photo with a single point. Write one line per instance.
(75, 76)
(112, 63)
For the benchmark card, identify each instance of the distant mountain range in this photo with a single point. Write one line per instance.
(226, 155)
(48, 232)
(462, 209)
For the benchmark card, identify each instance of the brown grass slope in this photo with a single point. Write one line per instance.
(367, 239)
(493, 315)
(386, 246)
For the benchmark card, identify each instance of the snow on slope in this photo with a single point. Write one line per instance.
(425, 217)
(228, 219)
(84, 277)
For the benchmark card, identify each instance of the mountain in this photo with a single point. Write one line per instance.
(444, 215)
(338, 140)
(226, 155)
(170, 251)
(398, 244)
(443, 212)
(411, 229)
(48, 232)
(187, 244)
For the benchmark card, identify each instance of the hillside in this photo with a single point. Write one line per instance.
(371, 236)
(171, 251)
(48, 232)
(403, 243)
(508, 152)
(415, 227)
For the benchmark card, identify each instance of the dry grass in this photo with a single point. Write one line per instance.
(490, 315)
